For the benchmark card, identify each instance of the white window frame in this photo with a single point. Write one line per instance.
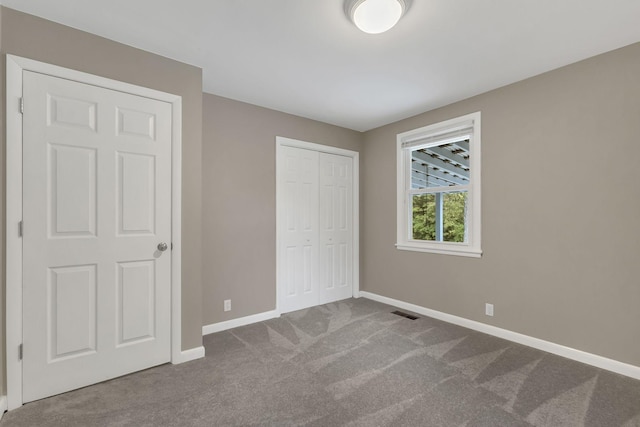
(472, 247)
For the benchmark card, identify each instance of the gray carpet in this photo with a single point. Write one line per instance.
(352, 363)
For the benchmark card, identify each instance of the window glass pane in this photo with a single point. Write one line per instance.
(454, 224)
(440, 166)
(424, 217)
(440, 217)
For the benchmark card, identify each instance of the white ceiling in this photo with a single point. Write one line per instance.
(304, 57)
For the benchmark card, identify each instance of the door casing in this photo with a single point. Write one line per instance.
(13, 163)
(288, 142)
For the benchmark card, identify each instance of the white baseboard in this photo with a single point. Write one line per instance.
(241, 321)
(189, 355)
(568, 352)
(3, 405)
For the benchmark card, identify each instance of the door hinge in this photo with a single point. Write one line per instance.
(20, 352)
(171, 245)
(20, 229)
(21, 105)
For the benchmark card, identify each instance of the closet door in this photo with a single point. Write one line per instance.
(335, 228)
(298, 228)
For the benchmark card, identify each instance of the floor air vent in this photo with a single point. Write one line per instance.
(408, 316)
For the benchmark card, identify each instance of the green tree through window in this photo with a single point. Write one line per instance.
(454, 211)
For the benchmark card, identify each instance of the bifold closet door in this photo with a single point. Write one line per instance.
(336, 228)
(298, 268)
(315, 228)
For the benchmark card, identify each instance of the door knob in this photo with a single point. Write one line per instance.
(162, 247)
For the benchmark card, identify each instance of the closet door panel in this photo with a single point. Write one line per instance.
(298, 204)
(335, 227)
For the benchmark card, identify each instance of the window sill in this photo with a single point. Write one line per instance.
(442, 250)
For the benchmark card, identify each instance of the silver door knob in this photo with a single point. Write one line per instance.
(162, 247)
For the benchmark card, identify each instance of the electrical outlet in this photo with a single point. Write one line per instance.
(488, 309)
(227, 305)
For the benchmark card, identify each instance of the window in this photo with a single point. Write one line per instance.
(439, 188)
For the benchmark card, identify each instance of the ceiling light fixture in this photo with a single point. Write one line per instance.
(375, 16)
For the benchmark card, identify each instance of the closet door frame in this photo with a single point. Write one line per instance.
(288, 142)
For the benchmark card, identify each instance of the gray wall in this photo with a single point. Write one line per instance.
(239, 203)
(560, 211)
(31, 37)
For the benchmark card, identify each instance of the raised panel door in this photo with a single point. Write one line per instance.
(335, 228)
(96, 203)
(298, 244)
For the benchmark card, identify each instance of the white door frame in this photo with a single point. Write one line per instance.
(288, 142)
(13, 274)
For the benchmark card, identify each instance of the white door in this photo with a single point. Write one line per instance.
(97, 203)
(336, 228)
(298, 228)
(315, 228)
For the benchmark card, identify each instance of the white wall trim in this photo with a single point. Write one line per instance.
(295, 143)
(13, 271)
(176, 232)
(3, 405)
(13, 304)
(550, 347)
(288, 142)
(241, 321)
(188, 355)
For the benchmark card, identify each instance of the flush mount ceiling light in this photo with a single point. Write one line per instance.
(375, 16)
